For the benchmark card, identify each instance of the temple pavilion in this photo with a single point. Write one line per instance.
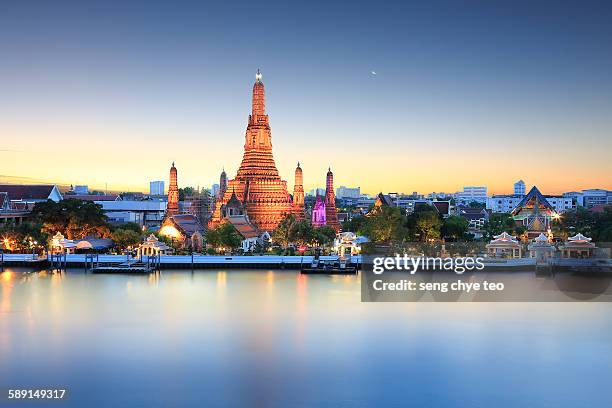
(534, 213)
(504, 245)
(153, 247)
(541, 249)
(577, 246)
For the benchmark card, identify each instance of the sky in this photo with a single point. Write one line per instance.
(394, 96)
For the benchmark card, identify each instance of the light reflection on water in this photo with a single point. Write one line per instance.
(276, 338)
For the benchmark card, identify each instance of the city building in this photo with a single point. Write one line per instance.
(476, 217)
(257, 184)
(472, 193)
(596, 196)
(506, 203)
(12, 213)
(146, 213)
(157, 188)
(31, 193)
(348, 192)
(93, 197)
(82, 189)
(519, 188)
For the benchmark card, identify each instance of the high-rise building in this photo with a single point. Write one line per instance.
(348, 192)
(173, 193)
(519, 188)
(472, 193)
(257, 185)
(156, 188)
(81, 190)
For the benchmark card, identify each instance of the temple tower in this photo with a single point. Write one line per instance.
(330, 202)
(298, 194)
(173, 193)
(257, 183)
(222, 183)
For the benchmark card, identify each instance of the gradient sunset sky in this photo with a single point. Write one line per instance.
(465, 93)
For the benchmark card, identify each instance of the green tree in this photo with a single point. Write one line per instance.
(356, 224)
(124, 238)
(324, 235)
(455, 227)
(75, 219)
(498, 223)
(386, 224)
(282, 233)
(428, 224)
(224, 235)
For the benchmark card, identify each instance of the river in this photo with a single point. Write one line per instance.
(279, 339)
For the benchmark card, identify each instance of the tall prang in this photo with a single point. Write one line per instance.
(331, 214)
(257, 185)
(222, 184)
(173, 193)
(298, 194)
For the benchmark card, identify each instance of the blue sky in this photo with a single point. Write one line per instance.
(464, 92)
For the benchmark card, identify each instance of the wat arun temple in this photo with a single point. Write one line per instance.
(257, 198)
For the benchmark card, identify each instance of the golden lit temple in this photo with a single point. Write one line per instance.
(257, 185)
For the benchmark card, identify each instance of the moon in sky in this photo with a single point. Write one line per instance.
(373, 72)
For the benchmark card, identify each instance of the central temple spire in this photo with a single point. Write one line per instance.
(259, 97)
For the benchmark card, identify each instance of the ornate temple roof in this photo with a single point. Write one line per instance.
(533, 199)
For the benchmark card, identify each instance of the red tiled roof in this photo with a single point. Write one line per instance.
(442, 206)
(188, 224)
(27, 192)
(244, 227)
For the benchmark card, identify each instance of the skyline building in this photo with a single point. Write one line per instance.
(519, 188)
(156, 188)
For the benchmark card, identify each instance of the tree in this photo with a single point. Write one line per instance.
(356, 224)
(498, 223)
(282, 232)
(302, 232)
(23, 237)
(224, 235)
(455, 227)
(428, 225)
(386, 224)
(124, 238)
(324, 234)
(75, 219)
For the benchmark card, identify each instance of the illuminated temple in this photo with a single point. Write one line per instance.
(257, 186)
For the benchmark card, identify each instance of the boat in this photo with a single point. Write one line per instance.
(338, 266)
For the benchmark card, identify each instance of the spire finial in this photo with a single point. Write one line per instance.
(258, 76)
(172, 163)
(298, 164)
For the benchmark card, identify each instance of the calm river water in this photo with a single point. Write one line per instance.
(278, 339)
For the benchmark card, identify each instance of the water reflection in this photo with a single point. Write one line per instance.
(277, 338)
